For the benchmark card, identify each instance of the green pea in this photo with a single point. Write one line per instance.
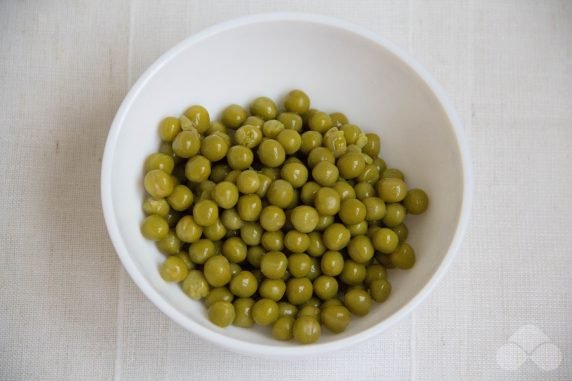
(320, 154)
(320, 122)
(308, 192)
(351, 132)
(158, 183)
(336, 237)
(332, 263)
(345, 190)
(394, 214)
(271, 153)
(249, 207)
(309, 310)
(199, 118)
(315, 270)
(375, 208)
(330, 303)
(310, 140)
(221, 313)
(217, 271)
(297, 101)
(239, 157)
(248, 182)
(299, 265)
(265, 182)
(154, 227)
(251, 233)
(195, 285)
(273, 241)
(216, 126)
(205, 212)
(317, 247)
(291, 121)
(299, 290)
(336, 318)
(217, 295)
(234, 249)
(353, 273)
(198, 169)
(360, 249)
(248, 136)
(264, 108)
(243, 312)
(219, 172)
(338, 119)
(254, 255)
(287, 309)
(352, 211)
(174, 269)
(282, 328)
(416, 201)
(272, 173)
(306, 330)
(214, 147)
(375, 272)
(373, 145)
(324, 222)
(295, 173)
(159, 207)
(273, 265)
(201, 250)
(369, 175)
(325, 287)
(265, 312)
(358, 302)
(364, 190)
(169, 128)
(272, 218)
(271, 128)
(391, 189)
(351, 165)
(187, 144)
(296, 242)
(232, 176)
(225, 194)
(401, 231)
(233, 116)
(272, 289)
(325, 173)
(231, 220)
(170, 244)
(385, 240)
(380, 165)
(380, 289)
(403, 257)
(244, 284)
(254, 121)
(327, 201)
(304, 218)
(188, 230)
(358, 229)
(159, 161)
(181, 198)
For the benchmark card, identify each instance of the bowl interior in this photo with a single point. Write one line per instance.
(341, 71)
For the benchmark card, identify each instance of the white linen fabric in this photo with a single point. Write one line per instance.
(69, 311)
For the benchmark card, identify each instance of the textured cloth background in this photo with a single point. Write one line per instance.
(69, 311)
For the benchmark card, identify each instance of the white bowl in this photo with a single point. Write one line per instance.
(343, 68)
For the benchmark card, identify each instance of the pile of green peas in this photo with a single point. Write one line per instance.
(282, 218)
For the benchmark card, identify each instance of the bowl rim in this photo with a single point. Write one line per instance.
(263, 350)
